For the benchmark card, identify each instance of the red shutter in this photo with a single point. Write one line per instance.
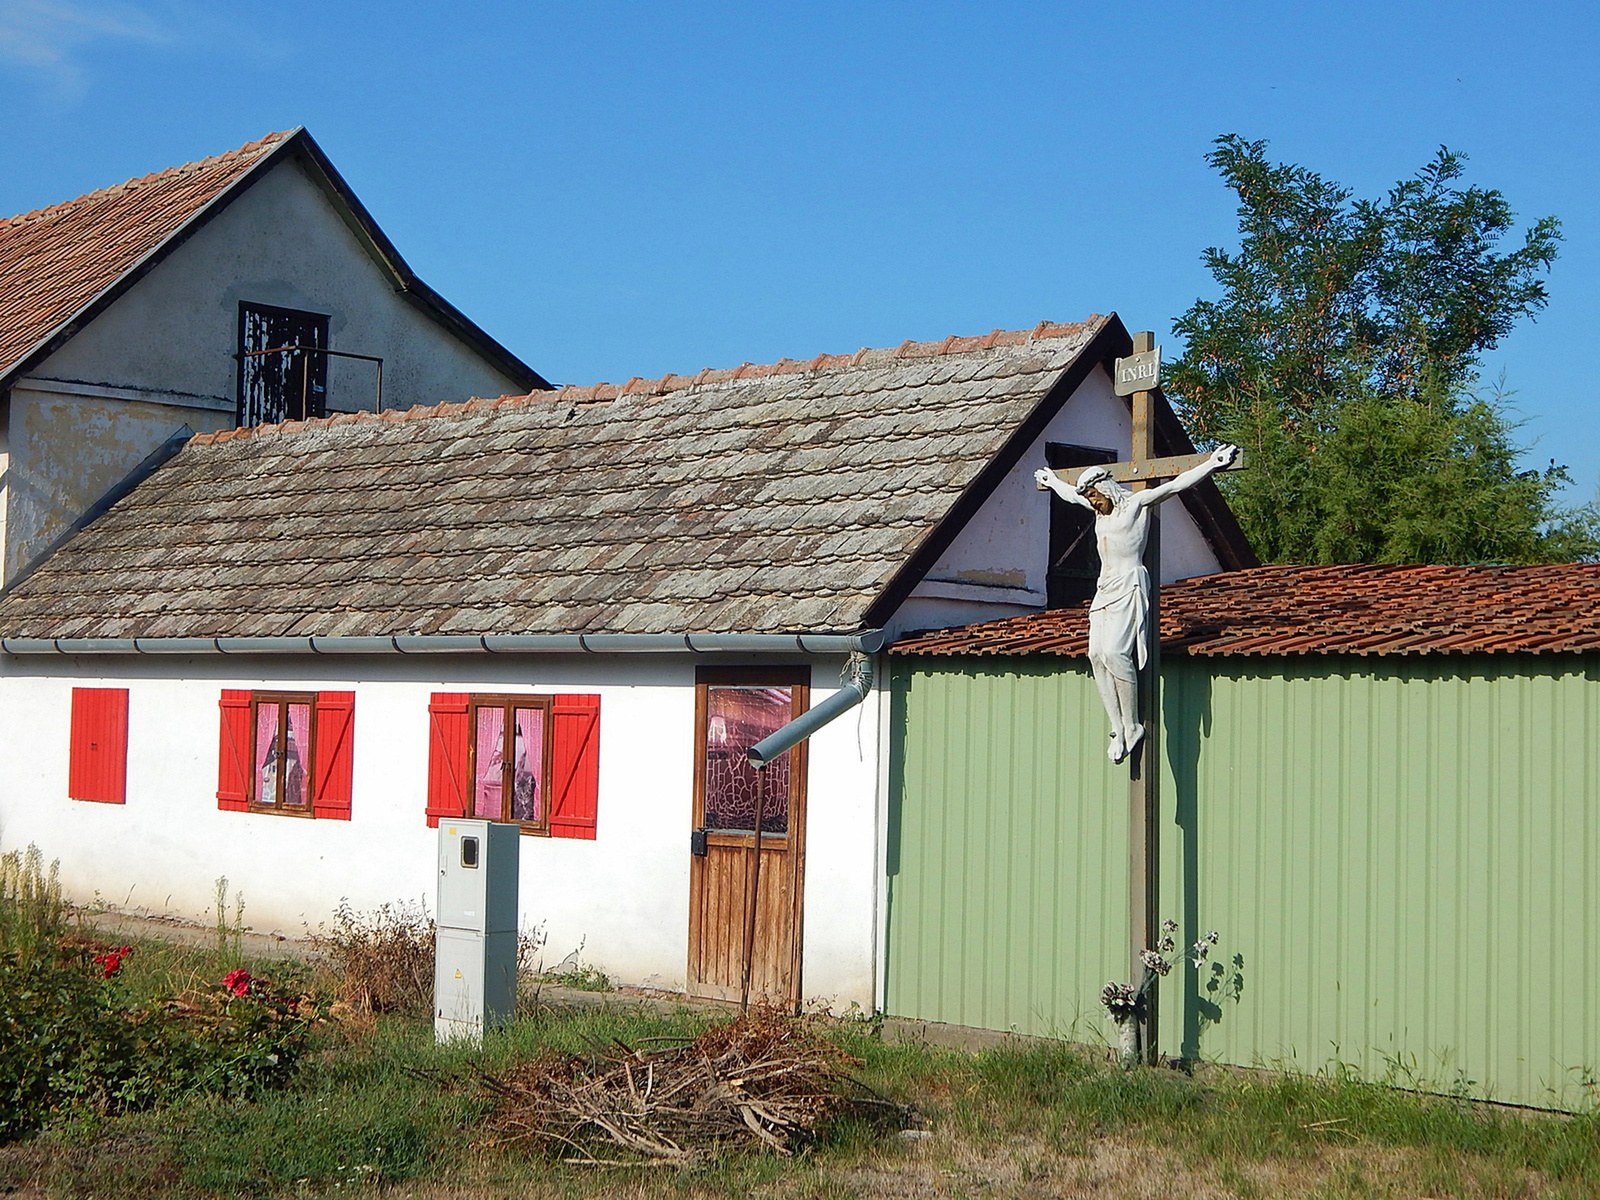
(233, 755)
(97, 764)
(335, 741)
(448, 741)
(576, 760)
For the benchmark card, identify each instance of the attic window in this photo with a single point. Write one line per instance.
(281, 375)
(1074, 557)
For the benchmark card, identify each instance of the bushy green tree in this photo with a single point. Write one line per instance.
(1344, 355)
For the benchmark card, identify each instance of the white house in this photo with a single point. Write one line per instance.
(248, 287)
(293, 647)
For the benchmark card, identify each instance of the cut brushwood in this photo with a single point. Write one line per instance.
(764, 1082)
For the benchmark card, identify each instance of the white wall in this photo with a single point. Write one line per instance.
(996, 565)
(624, 896)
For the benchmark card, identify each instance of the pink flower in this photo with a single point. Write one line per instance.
(237, 981)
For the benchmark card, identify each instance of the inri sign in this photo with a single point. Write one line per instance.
(1138, 372)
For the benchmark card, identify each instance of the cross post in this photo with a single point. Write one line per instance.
(1144, 778)
(1138, 376)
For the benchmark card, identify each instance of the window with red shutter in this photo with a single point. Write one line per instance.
(532, 760)
(576, 785)
(97, 760)
(449, 750)
(289, 753)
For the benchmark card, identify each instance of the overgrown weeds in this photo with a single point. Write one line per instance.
(379, 961)
(33, 915)
(387, 1106)
(248, 1094)
(580, 977)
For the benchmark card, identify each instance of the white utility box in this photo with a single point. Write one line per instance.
(475, 945)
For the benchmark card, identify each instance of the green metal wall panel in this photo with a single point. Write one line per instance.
(1007, 871)
(1400, 852)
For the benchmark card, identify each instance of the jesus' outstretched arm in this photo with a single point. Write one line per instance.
(1045, 477)
(1221, 458)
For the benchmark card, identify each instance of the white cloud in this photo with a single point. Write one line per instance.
(45, 36)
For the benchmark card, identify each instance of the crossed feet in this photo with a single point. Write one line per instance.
(1120, 747)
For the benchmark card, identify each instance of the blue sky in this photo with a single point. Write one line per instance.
(628, 189)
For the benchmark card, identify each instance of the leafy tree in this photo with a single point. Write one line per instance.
(1344, 356)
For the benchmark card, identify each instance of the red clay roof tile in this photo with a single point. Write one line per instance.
(54, 261)
(1361, 609)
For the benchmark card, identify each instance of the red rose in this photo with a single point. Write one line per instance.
(111, 962)
(237, 981)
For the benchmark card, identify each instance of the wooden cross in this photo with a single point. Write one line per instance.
(1144, 785)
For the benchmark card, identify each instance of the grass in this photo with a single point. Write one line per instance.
(1026, 1119)
(581, 978)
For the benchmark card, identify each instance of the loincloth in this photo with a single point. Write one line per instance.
(1117, 618)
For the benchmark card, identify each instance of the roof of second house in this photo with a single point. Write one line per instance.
(803, 496)
(60, 265)
(1361, 609)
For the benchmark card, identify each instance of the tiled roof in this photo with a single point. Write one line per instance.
(1355, 609)
(763, 499)
(55, 260)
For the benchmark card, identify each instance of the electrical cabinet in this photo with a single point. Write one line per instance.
(475, 944)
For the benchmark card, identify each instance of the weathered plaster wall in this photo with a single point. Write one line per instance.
(5, 478)
(996, 565)
(69, 450)
(623, 897)
(281, 243)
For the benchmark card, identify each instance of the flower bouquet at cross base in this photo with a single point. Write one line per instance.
(1126, 1005)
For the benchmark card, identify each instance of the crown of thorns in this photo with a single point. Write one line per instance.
(1091, 477)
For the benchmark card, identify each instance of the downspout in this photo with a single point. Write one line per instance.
(854, 684)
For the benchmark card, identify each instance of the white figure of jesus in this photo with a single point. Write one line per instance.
(1120, 612)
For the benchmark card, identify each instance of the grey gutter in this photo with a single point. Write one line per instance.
(868, 642)
(852, 691)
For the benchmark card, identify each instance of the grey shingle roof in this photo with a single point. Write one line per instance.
(767, 499)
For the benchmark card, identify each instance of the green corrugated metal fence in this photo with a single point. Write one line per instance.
(1400, 856)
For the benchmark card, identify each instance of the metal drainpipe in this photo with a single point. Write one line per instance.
(855, 682)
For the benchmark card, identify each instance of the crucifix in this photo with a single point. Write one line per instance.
(1124, 628)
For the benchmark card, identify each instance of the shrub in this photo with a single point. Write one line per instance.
(70, 1040)
(62, 1039)
(237, 1038)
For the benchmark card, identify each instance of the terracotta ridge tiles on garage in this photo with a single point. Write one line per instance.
(249, 150)
(599, 393)
(1355, 609)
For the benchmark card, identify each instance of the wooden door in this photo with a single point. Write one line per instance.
(734, 709)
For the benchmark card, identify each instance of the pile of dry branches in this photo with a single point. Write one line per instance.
(764, 1081)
